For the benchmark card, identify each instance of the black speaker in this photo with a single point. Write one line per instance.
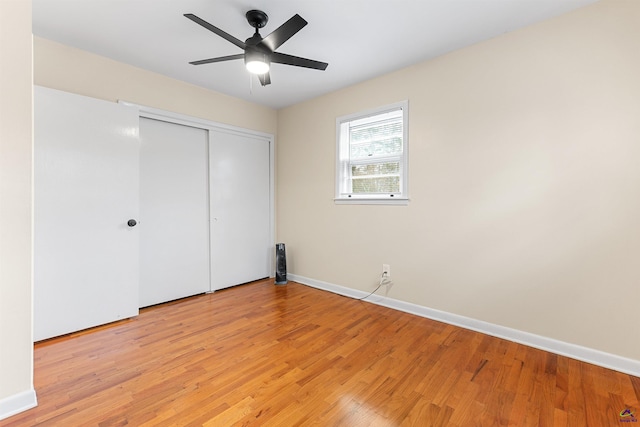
(281, 264)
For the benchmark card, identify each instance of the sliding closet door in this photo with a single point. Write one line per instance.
(86, 190)
(241, 250)
(174, 211)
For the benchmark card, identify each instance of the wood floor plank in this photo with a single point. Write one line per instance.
(267, 355)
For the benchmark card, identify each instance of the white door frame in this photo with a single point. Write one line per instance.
(183, 119)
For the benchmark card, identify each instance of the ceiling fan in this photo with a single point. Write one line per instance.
(259, 52)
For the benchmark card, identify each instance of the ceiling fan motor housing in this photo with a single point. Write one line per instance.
(257, 54)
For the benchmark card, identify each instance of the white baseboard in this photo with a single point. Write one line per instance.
(17, 403)
(585, 354)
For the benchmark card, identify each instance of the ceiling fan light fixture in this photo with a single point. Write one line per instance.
(257, 67)
(256, 62)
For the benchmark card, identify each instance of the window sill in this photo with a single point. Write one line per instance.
(371, 201)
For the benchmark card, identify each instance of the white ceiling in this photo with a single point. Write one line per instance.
(360, 39)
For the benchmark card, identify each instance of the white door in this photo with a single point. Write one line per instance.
(241, 250)
(174, 211)
(85, 191)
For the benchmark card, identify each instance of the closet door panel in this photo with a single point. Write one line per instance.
(174, 211)
(241, 250)
(86, 190)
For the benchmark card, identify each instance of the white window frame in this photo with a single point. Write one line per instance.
(343, 170)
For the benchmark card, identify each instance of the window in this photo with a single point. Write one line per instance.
(372, 156)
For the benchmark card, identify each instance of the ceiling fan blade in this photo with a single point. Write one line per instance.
(216, 30)
(265, 79)
(283, 58)
(218, 59)
(284, 32)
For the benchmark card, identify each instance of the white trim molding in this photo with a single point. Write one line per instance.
(17, 403)
(573, 351)
(184, 119)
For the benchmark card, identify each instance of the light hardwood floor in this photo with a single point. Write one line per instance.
(260, 354)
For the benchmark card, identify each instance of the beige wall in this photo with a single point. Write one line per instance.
(16, 349)
(524, 183)
(65, 68)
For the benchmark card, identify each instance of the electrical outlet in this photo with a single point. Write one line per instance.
(386, 270)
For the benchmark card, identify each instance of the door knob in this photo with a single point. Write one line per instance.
(131, 223)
